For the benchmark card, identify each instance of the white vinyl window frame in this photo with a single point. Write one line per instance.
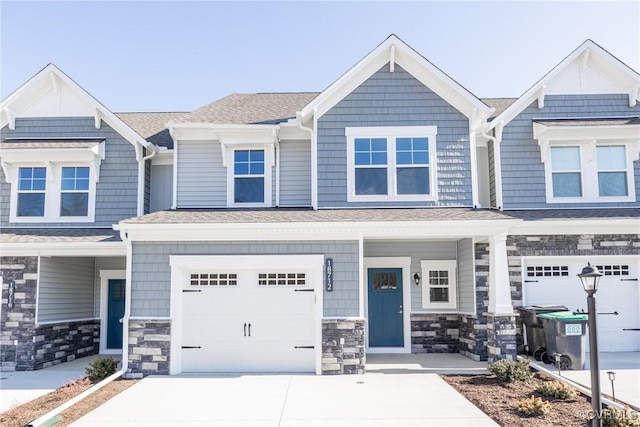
(53, 194)
(589, 171)
(269, 162)
(53, 159)
(390, 134)
(450, 267)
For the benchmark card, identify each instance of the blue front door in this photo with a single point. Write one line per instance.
(385, 307)
(115, 312)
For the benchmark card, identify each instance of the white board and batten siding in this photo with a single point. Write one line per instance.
(66, 289)
(552, 280)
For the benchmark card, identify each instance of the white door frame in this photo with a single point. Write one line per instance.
(390, 262)
(181, 264)
(105, 276)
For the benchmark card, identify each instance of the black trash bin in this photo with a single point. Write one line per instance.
(533, 327)
(565, 335)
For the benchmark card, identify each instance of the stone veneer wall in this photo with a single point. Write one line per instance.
(149, 347)
(343, 346)
(501, 337)
(17, 325)
(64, 342)
(563, 245)
(435, 333)
(473, 327)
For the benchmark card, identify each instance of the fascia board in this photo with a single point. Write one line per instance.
(573, 227)
(532, 93)
(315, 231)
(428, 74)
(64, 249)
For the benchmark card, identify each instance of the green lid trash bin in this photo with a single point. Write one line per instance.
(533, 327)
(566, 335)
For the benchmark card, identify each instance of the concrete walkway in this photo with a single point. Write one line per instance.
(289, 400)
(18, 387)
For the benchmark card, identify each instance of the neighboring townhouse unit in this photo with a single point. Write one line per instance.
(394, 212)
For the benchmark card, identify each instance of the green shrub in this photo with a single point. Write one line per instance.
(533, 406)
(557, 389)
(614, 417)
(101, 368)
(510, 371)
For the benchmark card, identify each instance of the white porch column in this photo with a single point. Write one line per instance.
(499, 287)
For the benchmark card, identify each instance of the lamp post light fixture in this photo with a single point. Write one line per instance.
(612, 378)
(590, 277)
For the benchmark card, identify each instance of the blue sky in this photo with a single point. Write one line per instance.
(178, 56)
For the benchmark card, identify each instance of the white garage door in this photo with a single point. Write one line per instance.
(248, 320)
(554, 281)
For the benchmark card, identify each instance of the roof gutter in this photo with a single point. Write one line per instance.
(314, 156)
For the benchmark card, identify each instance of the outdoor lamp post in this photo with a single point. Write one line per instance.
(589, 277)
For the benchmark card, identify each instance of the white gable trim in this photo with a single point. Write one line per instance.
(396, 52)
(51, 78)
(588, 55)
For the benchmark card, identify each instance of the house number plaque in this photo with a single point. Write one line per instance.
(328, 270)
(12, 294)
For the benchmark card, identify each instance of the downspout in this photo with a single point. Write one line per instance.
(314, 193)
(141, 181)
(52, 416)
(277, 144)
(497, 166)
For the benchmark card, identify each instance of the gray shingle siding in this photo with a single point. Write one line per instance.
(117, 190)
(151, 273)
(523, 180)
(394, 99)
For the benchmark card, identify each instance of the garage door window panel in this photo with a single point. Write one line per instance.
(213, 279)
(282, 279)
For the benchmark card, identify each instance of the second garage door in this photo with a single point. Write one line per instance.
(554, 281)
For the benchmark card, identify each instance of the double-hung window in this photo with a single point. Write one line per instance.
(588, 161)
(588, 172)
(32, 187)
(52, 182)
(248, 176)
(391, 163)
(439, 284)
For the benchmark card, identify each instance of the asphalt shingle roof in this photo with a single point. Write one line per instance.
(250, 108)
(280, 215)
(151, 126)
(59, 235)
(500, 104)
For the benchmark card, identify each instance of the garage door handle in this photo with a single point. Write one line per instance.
(245, 329)
(249, 329)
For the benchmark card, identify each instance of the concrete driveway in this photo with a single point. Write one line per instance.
(373, 399)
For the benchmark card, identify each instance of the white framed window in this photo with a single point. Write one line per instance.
(589, 172)
(52, 181)
(53, 193)
(439, 285)
(391, 163)
(249, 174)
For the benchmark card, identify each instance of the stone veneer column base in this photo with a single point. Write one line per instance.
(473, 337)
(149, 347)
(65, 341)
(343, 346)
(501, 337)
(435, 333)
